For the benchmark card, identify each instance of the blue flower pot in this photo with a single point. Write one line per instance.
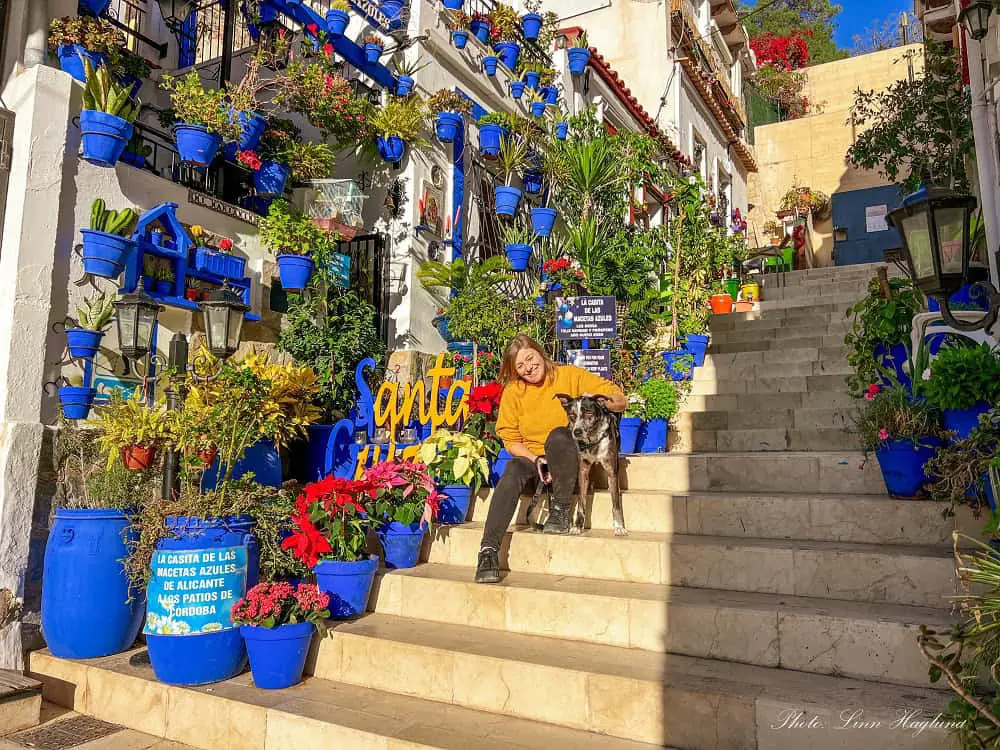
(531, 25)
(551, 95)
(967, 297)
(460, 37)
(404, 85)
(892, 358)
(629, 429)
(196, 145)
(270, 179)
(480, 29)
(391, 148)
(532, 182)
(517, 89)
(542, 221)
(455, 507)
(696, 345)
(518, 255)
(678, 370)
(441, 323)
(252, 127)
(453, 4)
(963, 421)
(540, 301)
(337, 22)
(538, 109)
(93, 7)
(330, 451)
(401, 544)
(104, 137)
(76, 401)
(562, 130)
(86, 612)
(653, 437)
(348, 584)
(489, 139)
(104, 254)
(507, 199)
(182, 650)
(578, 59)
(261, 459)
(372, 52)
(533, 78)
(490, 65)
(277, 655)
(133, 84)
(295, 270)
(392, 9)
(902, 464)
(71, 60)
(447, 126)
(508, 53)
(83, 343)
(503, 458)
(162, 288)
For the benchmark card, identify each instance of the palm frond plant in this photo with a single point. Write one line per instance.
(461, 277)
(592, 170)
(512, 157)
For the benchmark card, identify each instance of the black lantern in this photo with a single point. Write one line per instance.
(175, 12)
(136, 318)
(975, 17)
(223, 312)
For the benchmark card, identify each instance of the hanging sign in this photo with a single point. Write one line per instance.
(193, 591)
(585, 318)
(597, 361)
(340, 270)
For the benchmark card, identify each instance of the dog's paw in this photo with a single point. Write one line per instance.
(575, 530)
(621, 531)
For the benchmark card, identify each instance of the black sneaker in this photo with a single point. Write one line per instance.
(488, 569)
(558, 520)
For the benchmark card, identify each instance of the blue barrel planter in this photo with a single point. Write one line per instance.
(518, 255)
(500, 465)
(480, 29)
(562, 130)
(453, 4)
(533, 182)
(441, 324)
(93, 7)
(902, 464)
(71, 58)
(277, 655)
(551, 95)
(460, 37)
(330, 451)
(455, 507)
(196, 145)
(271, 178)
(678, 369)
(963, 421)
(104, 254)
(507, 200)
(490, 65)
(538, 109)
(261, 459)
(629, 429)
(391, 148)
(653, 438)
(508, 52)
(533, 78)
(401, 543)
(542, 221)
(489, 139)
(892, 358)
(404, 85)
(531, 25)
(295, 270)
(372, 52)
(348, 584)
(76, 401)
(517, 89)
(578, 59)
(104, 137)
(83, 343)
(86, 610)
(447, 126)
(696, 345)
(196, 642)
(337, 22)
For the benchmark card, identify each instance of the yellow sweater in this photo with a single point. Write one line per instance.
(528, 413)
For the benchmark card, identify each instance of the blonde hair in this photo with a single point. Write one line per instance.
(508, 369)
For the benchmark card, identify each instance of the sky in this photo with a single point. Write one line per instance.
(860, 14)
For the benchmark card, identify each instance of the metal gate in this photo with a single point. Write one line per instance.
(370, 275)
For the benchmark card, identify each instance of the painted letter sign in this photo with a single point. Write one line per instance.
(585, 318)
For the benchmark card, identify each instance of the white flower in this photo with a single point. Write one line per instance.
(927, 374)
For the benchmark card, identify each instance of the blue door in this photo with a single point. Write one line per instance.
(860, 232)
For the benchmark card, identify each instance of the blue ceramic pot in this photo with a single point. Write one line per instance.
(629, 430)
(508, 53)
(83, 343)
(295, 271)
(542, 221)
(404, 85)
(372, 52)
(271, 178)
(517, 89)
(447, 126)
(453, 4)
(653, 438)
(963, 421)
(489, 139)
(531, 25)
(532, 182)
(518, 254)
(490, 65)
(503, 458)
(337, 22)
(196, 145)
(533, 78)
(104, 254)
(507, 200)
(902, 464)
(460, 37)
(551, 96)
(455, 507)
(277, 655)
(391, 148)
(71, 60)
(562, 130)
(76, 401)
(696, 345)
(480, 29)
(104, 137)
(401, 544)
(93, 7)
(538, 109)
(348, 584)
(578, 59)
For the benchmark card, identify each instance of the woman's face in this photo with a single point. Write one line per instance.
(529, 366)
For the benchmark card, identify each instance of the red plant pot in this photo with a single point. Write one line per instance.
(208, 456)
(192, 295)
(722, 304)
(138, 457)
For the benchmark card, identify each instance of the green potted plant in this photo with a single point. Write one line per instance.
(506, 31)
(405, 70)
(458, 21)
(338, 17)
(965, 471)
(404, 501)
(74, 39)
(964, 383)
(297, 243)
(448, 108)
(204, 118)
(661, 402)
(460, 466)
(519, 237)
(133, 431)
(579, 54)
(401, 122)
(537, 102)
(630, 426)
(107, 117)
(92, 319)
(492, 128)
(512, 157)
(107, 243)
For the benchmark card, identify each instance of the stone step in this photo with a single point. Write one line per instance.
(712, 370)
(818, 290)
(765, 402)
(761, 439)
(318, 713)
(891, 574)
(793, 330)
(839, 303)
(773, 319)
(864, 519)
(782, 342)
(827, 355)
(800, 419)
(20, 701)
(864, 270)
(776, 325)
(866, 641)
(708, 386)
(824, 472)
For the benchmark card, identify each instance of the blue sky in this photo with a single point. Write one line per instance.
(858, 15)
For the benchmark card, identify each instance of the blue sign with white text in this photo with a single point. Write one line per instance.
(340, 269)
(585, 318)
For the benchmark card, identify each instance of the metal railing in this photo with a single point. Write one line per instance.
(132, 14)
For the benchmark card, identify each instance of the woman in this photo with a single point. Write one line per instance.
(532, 424)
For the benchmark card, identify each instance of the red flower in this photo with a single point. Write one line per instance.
(307, 544)
(249, 159)
(312, 28)
(225, 244)
(328, 49)
(872, 391)
(485, 399)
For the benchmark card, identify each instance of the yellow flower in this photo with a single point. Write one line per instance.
(196, 230)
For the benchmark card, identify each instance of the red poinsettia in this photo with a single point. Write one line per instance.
(307, 543)
(249, 159)
(485, 399)
(225, 244)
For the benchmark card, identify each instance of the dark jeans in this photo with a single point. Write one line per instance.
(521, 476)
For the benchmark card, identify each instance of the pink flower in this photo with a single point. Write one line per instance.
(883, 434)
(872, 391)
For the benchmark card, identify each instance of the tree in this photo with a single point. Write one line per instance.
(782, 17)
(886, 34)
(917, 126)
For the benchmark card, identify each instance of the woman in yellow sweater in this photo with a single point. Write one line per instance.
(532, 424)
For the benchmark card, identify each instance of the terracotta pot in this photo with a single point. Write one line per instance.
(743, 307)
(208, 456)
(138, 457)
(722, 304)
(446, 381)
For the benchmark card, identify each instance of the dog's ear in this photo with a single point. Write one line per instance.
(564, 399)
(602, 400)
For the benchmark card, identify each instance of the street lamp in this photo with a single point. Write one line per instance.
(975, 17)
(934, 226)
(136, 319)
(223, 311)
(175, 12)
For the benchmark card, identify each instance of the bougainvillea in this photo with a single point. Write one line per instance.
(782, 52)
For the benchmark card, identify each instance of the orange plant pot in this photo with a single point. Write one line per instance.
(722, 304)
(743, 307)
(208, 457)
(138, 457)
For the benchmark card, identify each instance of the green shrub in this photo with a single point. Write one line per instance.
(661, 400)
(963, 377)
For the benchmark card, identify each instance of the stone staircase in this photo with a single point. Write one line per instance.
(767, 598)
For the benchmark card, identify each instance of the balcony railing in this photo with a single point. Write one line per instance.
(528, 49)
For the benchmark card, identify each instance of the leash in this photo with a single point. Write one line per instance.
(543, 487)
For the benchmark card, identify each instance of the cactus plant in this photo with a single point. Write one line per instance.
(104, 94)
(95, 313)
(110, 221)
